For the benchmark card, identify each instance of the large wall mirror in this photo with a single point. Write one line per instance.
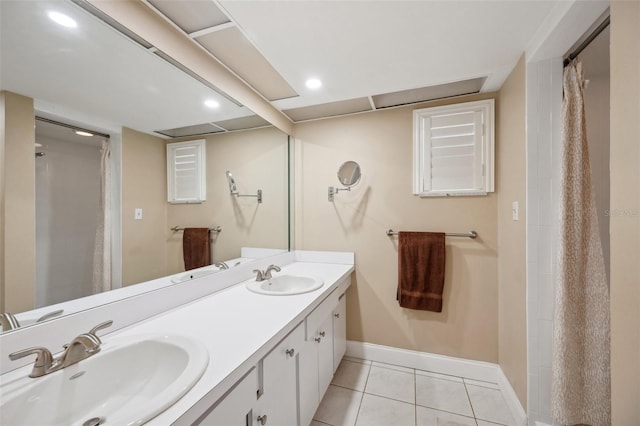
(65, 70)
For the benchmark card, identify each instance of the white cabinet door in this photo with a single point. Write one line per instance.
(316, 368)
(309, 398)
(234, 408)
(325, 355)
(339, 331)
(279, 399)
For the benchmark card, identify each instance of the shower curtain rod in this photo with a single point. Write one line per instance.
(69, 126)
(600, 28)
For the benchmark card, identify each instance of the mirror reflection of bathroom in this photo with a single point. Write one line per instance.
(349, 174)
(67, 200)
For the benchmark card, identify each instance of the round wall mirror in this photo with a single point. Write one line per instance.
(349, 173)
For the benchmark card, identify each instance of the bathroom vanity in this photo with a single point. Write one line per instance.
(270, 357)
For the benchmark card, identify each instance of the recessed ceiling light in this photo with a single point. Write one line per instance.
(313, 83)
(62, 19)
(82, 133)
(211, 103)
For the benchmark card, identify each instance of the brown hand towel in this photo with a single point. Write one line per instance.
(196, 248)
(421, 257)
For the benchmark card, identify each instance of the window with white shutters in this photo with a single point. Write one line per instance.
(186, 174)
(453, 149)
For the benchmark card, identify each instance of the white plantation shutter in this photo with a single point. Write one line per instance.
(453, 149)
(186, 172)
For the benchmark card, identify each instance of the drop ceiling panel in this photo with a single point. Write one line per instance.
(243, 123)
(191, 15)
(430, 93)
(233, 49)
(329, 109)
(199, 129)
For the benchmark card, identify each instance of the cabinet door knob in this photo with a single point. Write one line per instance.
(317, 339)
(290, 352)
(262, 419)
(336, 315)
(322, 333)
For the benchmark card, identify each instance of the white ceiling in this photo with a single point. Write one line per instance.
(359, 49)
(366, 48)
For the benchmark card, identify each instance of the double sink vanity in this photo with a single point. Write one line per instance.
(233, 350)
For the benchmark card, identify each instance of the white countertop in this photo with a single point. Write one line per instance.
(238, 327)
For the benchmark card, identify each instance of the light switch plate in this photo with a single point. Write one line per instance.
(515, 211)
(138, 214)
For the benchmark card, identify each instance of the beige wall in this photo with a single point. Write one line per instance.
(144, 185)
(625, 208)
(18, 214)
(382, 143)
(258, 160)
(511, 186)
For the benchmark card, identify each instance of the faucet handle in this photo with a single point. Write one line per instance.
(100, 326)
(260, 275)
(44, 359)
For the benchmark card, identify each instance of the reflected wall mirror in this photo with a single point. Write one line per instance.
(349, 174)
(91, 76)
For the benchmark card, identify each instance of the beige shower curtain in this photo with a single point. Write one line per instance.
(581, 390)
(102, 250)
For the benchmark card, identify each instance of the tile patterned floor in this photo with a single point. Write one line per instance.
(366, 393)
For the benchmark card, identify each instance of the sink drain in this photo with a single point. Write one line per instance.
(95, 421)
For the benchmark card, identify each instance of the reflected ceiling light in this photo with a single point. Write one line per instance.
(313, 83)
(62, 19)
(211, 103)
(82, 133)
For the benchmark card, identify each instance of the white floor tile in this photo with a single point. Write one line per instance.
(392, 384)
(339, 407)
(443, 395)
(377, 411)
(352, 375)
(393, 367)
(439, 376)
(429, 417)
(488, 404)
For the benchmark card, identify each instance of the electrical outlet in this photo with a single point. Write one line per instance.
(138, 214)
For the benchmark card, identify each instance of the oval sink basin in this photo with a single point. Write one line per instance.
(130, 381)
(284, 285)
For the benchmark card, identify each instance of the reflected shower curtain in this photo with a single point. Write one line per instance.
(581, 384)
(102, 251)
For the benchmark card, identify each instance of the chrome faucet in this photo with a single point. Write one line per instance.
(82, 347)
(8, 321)
(266, 275)
(221, 265)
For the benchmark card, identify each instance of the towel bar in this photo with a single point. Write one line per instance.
(470, 234)
(216, 229)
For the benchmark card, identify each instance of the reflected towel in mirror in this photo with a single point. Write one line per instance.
(196, 248)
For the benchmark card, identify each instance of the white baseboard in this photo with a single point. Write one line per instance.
(470, 369)
(509, 394)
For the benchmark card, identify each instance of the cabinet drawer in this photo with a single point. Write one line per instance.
(319, 314)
